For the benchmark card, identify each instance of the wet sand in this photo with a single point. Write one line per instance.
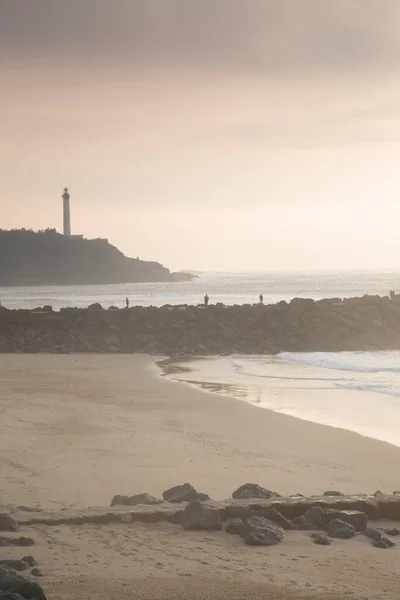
(75, 430)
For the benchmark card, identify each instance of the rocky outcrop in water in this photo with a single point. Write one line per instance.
(367, 323)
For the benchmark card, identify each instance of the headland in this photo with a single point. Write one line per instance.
(49, 258)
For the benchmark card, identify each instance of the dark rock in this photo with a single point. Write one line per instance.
(199, 516)
(339, 529)
(383, 543)
(259, 531)
(17, 565)
(184, 493)
(143, 499)
(373, 534)
(313, 518)
(10, 596)
(389, 507)
(252, 490)
(37, 572)
(393, 531)
(14, 583)
(95, 306)
(332, 493)
(270, 513)
(20, 541)
(379, 493)
(234, 527)
(8, 523)
(30, 561)
(358, 519)
(322, 540)
(120, 501)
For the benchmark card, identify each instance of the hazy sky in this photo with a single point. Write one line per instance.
(207, 134)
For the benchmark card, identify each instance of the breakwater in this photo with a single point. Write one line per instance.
(365, 323)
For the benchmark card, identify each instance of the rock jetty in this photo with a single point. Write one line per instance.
(365, 323)
(257, 520)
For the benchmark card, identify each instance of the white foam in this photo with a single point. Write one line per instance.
(360, 362)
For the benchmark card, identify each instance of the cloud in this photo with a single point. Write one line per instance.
(259, 36)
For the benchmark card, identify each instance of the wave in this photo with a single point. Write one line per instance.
(358, 362)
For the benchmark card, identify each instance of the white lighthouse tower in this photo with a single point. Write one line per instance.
(66, 213)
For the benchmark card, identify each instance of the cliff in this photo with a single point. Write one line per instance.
(48, 258)
(367, 323)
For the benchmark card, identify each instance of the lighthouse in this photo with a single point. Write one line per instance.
(66, 213)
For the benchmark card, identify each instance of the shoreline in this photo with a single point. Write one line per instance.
(197, 376)
(79, 429)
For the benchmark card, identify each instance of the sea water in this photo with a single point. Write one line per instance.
(229, 288)
(357, 391)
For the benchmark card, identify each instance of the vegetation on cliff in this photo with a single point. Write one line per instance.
(49, 258)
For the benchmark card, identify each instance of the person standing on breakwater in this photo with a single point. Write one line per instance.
(206, 299)
(261, 297)
(127, 302)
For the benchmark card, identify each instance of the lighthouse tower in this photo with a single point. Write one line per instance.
(66, 213)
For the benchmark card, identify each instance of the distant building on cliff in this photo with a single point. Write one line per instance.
(67, 217)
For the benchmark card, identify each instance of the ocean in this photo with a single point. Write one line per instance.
(357, 391)
(229, 288)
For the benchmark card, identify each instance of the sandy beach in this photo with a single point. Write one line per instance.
(76, 430)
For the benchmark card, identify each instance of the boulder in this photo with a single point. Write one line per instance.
(358, 519)
(322, 540)
(252, 490)
(313, 518)
(394, 531)
(389, 507)
(17, 565)
(270, 513)
(37, 572)
(184, 493)
(199, 516)
(373, 534)
(143, 499)
(95, 307)
(259, 531)
(234, 527)
(332, 493)
(30, 561)
(12, 582)
(20, 541)
(120, 501)
(383, 543)
(339, 529)
(8, 523)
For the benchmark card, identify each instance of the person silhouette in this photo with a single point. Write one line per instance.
(127, 302)
(261, 297)
(206, 299)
